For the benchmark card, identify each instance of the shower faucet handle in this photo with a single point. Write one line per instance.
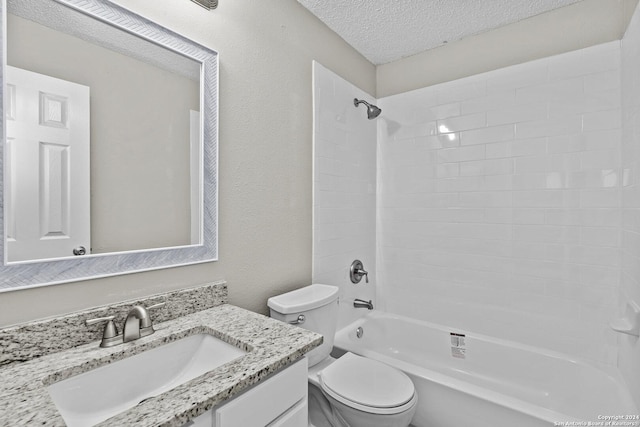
(363, 273)
(357, 271)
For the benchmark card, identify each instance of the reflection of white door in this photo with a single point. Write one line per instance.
(47, 160)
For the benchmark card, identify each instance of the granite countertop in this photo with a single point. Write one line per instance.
(271, 345)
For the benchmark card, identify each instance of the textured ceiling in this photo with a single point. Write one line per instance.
(386, 30)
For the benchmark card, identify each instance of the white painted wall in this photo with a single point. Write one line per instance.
(498, 202)
(344, 189)
(629, 347)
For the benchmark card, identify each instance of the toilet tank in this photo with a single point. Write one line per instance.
(319, 306)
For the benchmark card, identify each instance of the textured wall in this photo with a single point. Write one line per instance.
(499, 202)
(344, 189)
(629, 347)
(266, 52)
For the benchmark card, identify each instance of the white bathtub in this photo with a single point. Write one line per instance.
(497, 384)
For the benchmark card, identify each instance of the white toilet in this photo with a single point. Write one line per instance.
(351, 391)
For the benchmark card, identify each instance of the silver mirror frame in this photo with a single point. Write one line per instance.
(16, 276)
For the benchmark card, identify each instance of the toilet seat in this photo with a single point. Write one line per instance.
(368, 385)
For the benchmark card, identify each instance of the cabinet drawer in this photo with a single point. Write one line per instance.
(202, 420)
(267, 401)
(298, 416)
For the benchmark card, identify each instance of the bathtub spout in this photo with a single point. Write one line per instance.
(358, 303)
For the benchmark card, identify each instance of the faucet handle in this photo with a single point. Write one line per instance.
(356, 272)
(90, 322)
(146, 322)
(110, 335)
(364, 273)
(146, 325)
(158, 305)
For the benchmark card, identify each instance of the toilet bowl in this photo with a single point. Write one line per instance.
(351, 391)
(364, 392)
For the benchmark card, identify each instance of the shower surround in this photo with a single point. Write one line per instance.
(344, 189)
(499, 202)
(507, 203)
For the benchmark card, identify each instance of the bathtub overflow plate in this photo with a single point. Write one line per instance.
(359, 332)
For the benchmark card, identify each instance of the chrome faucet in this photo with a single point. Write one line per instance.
(358, 303)
(137, 325)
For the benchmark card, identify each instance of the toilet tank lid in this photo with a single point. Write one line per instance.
(303, 299)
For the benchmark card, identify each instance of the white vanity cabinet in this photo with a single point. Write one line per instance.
(280, 401)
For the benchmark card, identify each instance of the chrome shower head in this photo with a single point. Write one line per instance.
(372, 110)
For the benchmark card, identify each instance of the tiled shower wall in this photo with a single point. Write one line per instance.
(499, 203)
(629, 350)
(344, 189)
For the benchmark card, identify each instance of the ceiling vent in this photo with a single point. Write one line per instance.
(207, 4)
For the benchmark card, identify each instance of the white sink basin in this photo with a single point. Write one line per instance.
(92, 397)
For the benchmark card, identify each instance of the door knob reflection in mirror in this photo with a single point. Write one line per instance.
(80, 250)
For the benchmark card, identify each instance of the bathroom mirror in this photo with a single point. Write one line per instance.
(166, 158)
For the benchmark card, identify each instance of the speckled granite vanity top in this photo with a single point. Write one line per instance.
(271, 345)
